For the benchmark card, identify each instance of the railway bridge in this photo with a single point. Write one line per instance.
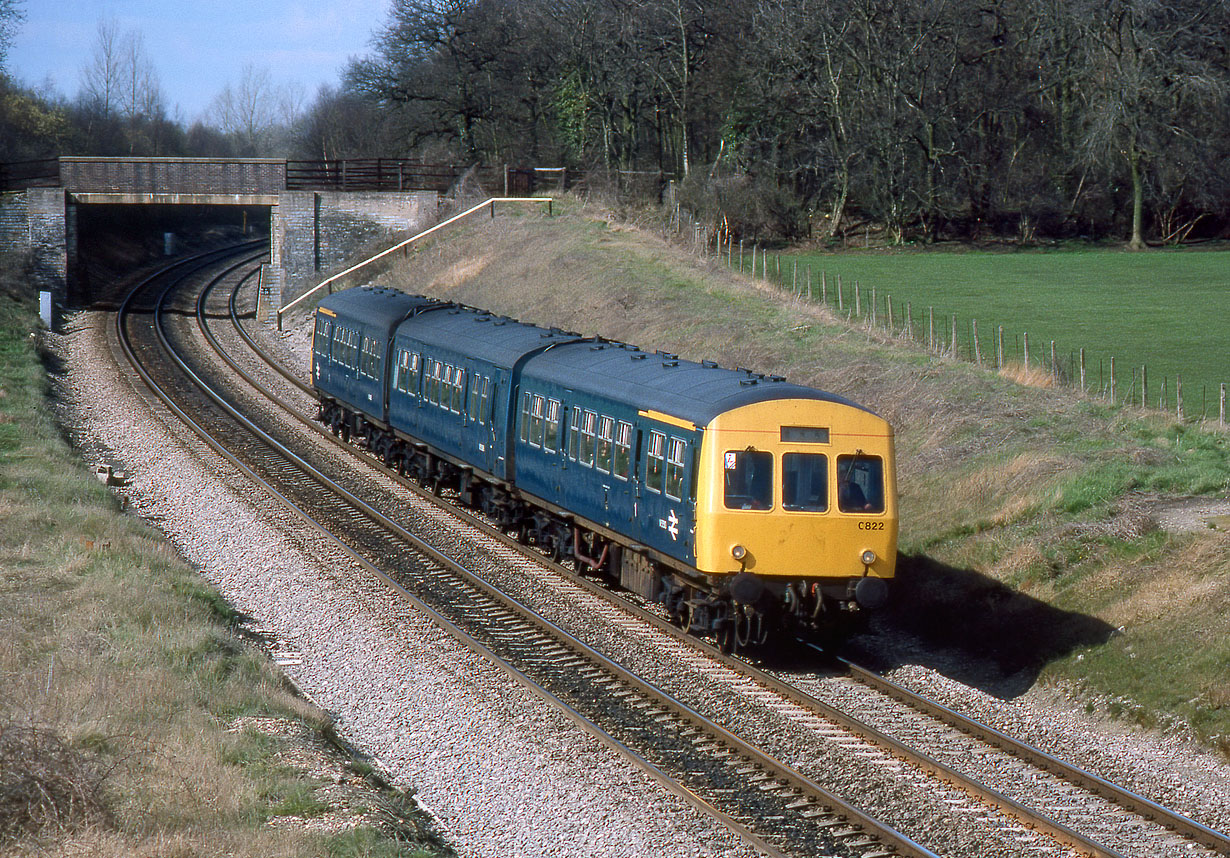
(317, 212)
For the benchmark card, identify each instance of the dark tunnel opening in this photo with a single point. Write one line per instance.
(115, 243)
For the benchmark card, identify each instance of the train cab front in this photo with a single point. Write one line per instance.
(796, 518)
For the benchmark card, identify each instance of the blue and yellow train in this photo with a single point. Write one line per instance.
(744, 503)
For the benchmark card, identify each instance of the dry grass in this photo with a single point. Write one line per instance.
(120, 669)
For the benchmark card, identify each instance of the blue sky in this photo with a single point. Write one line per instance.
(198, 46)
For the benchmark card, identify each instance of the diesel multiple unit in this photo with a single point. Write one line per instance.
(742, 502)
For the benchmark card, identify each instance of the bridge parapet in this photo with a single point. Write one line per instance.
(248, 176)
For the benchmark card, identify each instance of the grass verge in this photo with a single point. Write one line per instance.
(124, 680)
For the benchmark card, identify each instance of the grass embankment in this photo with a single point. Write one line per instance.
(1028, 527)
(122, 679)
(1168, 310)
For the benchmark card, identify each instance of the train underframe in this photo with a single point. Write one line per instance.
(741, 611)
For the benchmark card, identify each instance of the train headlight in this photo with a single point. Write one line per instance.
(869, 557)
(738, 552)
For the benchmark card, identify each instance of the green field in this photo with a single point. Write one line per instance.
(1167, 310)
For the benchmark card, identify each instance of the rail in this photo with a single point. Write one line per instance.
(328, 283)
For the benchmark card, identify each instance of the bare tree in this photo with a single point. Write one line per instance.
(1149, 76)
(100, 79)
(248, 110)
(11, 17)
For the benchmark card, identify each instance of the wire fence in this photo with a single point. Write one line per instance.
(987, 345)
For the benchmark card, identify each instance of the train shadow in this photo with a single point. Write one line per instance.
(972, 628)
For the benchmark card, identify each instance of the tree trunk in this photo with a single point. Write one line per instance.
(1138, 199)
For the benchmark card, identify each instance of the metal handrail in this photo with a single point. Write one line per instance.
(491, 202)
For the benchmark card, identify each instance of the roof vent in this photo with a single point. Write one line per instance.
(638, 356)
(709, 364)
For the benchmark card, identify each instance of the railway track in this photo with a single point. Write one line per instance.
(772, 806)
(792, 813)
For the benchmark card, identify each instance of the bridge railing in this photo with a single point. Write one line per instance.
(379, 174)
(328, 282)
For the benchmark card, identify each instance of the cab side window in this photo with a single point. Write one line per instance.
(320, 342)
(674, 468)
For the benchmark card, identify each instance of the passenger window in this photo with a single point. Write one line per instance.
(483, 399)
(574, 432)
(805, 482)
(623, 450)
(433, 381)
(536, 415)
(587, 438)
(674, 468)
(525, 416)
(551, 442)
(860, 483)
(459, 386)
(606, 437)
(472, 404)
(368, 359)
(655, 461)
(748, 479)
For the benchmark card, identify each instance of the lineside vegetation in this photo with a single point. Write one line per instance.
(128, 702)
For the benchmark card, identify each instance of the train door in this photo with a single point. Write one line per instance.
(503, 423)
(479, 422)
(620, 487)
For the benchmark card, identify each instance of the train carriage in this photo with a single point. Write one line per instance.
(743, 502)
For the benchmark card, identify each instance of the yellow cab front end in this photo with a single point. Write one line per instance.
(797, 506)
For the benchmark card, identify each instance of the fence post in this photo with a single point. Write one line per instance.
(1221, 409)
(909, 318)
(873, 306)
(858, 301)
(999, 348)
(1025, 338)
(809, 296)
(1054, 363)
(931, 328)
(841, 304)
(1144, 386)
(1112, 381)
(1161, 397)
(794, 278)
(1178, 396)
(889, 301)
(1083, 371)
(740, 256)
(953, 350)
(977, 347)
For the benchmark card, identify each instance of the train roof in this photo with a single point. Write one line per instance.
(479, 334)
(658, 381)
(374, 306)
(696, 392)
